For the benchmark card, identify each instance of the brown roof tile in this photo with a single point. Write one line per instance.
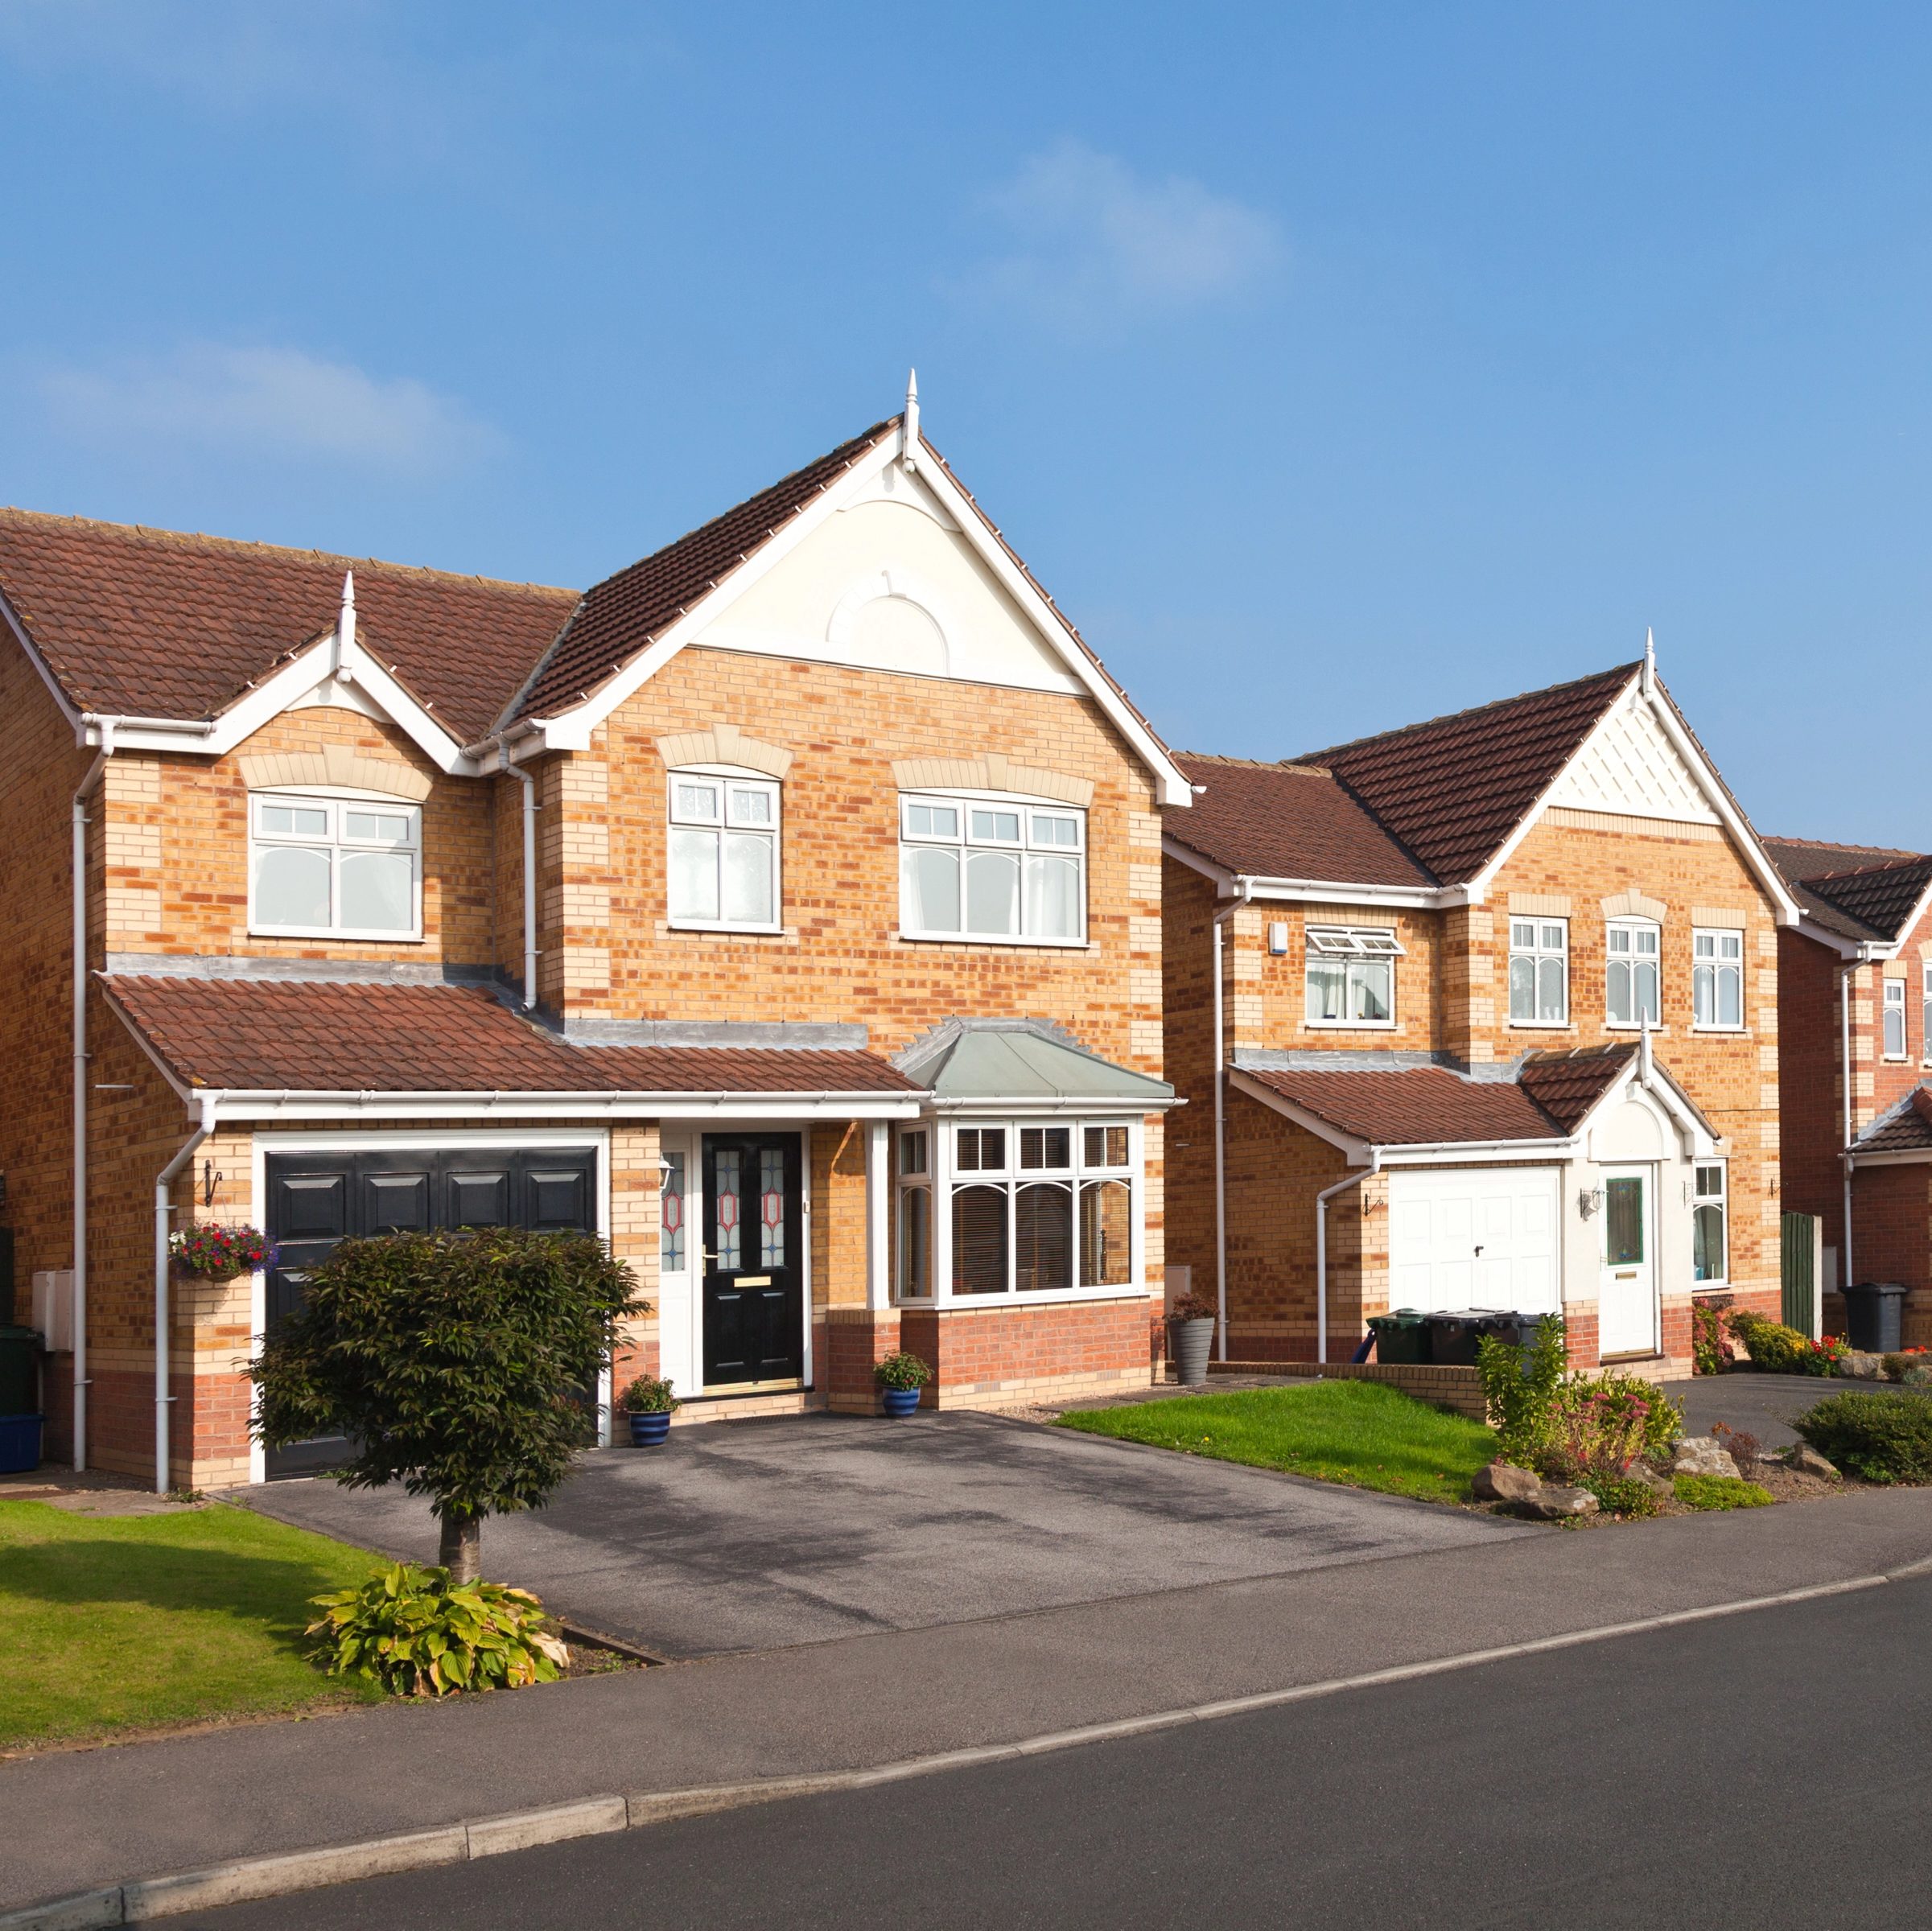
(1286, 821)
(621, 615)
(150, 622)
(1421, 1106)
(1452, 790)
(303, 1035)
(1567, 1086)
(1907, 1128)
(1861, 891)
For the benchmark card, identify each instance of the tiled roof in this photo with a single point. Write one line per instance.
(1452, 790)
(305, 1036)
(1552, 1096)
(149, 623)
(1905, 1128)
(625, 613)
(1861, 891)
(1286, 821)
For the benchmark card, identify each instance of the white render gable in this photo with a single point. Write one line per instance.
(1628, 767)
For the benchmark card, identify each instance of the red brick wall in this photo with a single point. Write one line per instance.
(854, 1340)
(980, 1355)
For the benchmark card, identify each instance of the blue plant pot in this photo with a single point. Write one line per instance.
(899, 1402)
(649, 1431)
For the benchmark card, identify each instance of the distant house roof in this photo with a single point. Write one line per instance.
(1859, 891)
(152, 622)
(1014, 1059)
(1904, 1128)
(280, 1035)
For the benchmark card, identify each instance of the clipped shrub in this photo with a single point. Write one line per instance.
(1897, 1366)
(1777, 1349)
(1603, 1425)
(1878, 1437)
(417, 1633)
(1718, 1492)
(902, 1370)
(1520, 1386)
(1711, 1349)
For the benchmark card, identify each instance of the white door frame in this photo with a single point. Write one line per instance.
(1647, 1172)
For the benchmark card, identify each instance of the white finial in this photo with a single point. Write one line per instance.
(1649, 659)
(912, 420)
(345, 628)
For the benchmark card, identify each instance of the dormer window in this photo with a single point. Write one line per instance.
(344, 866)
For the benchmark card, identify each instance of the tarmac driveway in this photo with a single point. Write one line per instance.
(755, 1535)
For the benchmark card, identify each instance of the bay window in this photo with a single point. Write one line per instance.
(335, 867)
(915, 1217)
(992, 868)
(1351, 976)
(723, 869)
(1631, 972)
(1539, 972)
(1717, 979)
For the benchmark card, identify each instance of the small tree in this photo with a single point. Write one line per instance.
(456, 1364)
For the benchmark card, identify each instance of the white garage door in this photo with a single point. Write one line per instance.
(1473, 1237)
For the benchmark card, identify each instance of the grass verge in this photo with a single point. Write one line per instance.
(1363, 1433)
(117, 1623)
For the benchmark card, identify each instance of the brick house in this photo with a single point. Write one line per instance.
(1855, 1001)
(785, 907)
(1487, 1009)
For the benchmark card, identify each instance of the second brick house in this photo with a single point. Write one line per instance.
(1487, 1010)
(785, 907)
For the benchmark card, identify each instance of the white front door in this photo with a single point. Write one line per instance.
(1473, 1237)
(1626, 1309)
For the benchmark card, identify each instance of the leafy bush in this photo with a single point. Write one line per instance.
(1718, 1492)
(1622, 1494)
(648, 1395)
(1192, 1307)
(1777, 1349)
(417, 1633)
(1743, 1447)
(1897, 1366)
(902, 1370)
(1878, 1437)
(219, 1251)
(456, 1364)
(1520, 1385)
(1711, 1349)
(1603, 1424)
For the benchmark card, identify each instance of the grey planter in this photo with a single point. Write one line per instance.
(1192, 1342)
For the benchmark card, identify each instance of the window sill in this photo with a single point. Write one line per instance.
(1734, 1031)
(750, 931)
(1348, 1026)
(1657, 1032)
(989, 938)
(1031, 1297)
(340, 934)
(1543, 1026)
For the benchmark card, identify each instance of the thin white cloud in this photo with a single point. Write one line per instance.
(273, 402)
(1095, 240)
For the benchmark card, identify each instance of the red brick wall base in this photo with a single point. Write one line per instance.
(996, 1358)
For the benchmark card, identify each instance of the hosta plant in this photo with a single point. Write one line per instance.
(417, 1633)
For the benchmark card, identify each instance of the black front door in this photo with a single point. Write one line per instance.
(754, 1259)
(314, 1201)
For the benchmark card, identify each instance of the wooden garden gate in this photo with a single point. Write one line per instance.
(1803, 1266)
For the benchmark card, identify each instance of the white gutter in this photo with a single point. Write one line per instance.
(1244, 891)
(530, 808)
(163, 1399)
(106, 726)
(187, 727)
(1321, 1246)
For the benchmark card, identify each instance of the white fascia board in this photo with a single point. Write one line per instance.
(1356, 1148)
(485, 1107)
(1023, 1103)
(1856, 951)
(1223, 880)
(1316, 891)
(1903, 1156)
(1493, 1153)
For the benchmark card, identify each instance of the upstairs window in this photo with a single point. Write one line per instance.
(1351, 976)
(978, 868)
(1630, 974)
(334, 868)
(1717, 979)
(1540, 971)
(1707, 1230)
(1895, 1020)
(723, 870)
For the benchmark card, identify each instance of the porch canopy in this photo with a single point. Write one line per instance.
(1025, 1063)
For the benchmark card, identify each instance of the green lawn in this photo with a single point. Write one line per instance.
(1365, 1433)
(111, 1623)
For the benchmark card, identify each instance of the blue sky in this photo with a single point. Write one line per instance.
(1336, 365)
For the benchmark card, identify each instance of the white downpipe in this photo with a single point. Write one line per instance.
(1844, 1035)
(88, 785)
(1244, 891)
(163, 1398)
(1321, 1246)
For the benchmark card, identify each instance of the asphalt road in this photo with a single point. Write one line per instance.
(1768, 1770)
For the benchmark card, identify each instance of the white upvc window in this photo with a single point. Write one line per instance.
(334, 865)
(1631, 990)
(1540, 971)
(722, 868)
(992, 867)
(915, 1271)
(1710, 1216)
(1351, 976)
(1894, 1019)
(1717, 980)
(1049, 1207)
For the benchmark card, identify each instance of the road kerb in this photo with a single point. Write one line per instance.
(247, 1880)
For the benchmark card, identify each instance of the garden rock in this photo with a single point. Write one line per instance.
(1856, 1366)
(1700, 1454)
(1552, 1503)
(1503, 1482)
(1804, 1459)
(1658, 1484)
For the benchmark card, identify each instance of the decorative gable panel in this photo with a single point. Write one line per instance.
(1630, 768)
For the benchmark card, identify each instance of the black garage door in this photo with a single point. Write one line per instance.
(316, 1200)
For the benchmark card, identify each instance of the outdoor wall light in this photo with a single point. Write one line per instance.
(1590, 1201)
